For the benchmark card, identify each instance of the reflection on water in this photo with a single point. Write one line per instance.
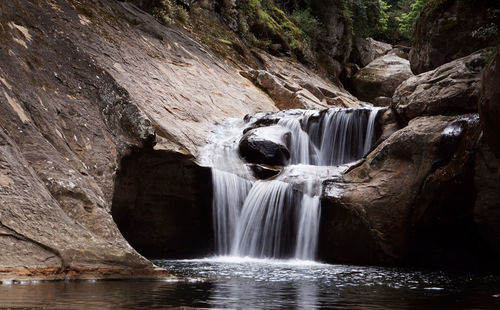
(237, 283)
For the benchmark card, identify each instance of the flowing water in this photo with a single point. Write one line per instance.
(279, 218)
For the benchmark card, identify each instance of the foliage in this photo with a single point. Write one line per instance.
(307, 23)
(265, 25)
(489, 31)
(169, 12)
(408, 20)
(369, 17)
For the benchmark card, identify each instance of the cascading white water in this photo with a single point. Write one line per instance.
(230, 192)
(308, 229)
(276, 218)
(261, 225)
(304, 152)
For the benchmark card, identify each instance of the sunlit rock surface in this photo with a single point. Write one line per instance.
(381, 77)
(451, 88)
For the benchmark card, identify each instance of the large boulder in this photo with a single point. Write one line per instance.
(451, 88)
(381, 77)
(410, 202)
(366, 50)
(489, 104)
(487, 205)
(450, 29)
(266, 145)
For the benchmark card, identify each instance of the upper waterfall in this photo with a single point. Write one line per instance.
(279, 217)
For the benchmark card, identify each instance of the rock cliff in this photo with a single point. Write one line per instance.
(450, 29)
(87, 88)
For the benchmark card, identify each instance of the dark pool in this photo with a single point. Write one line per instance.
(237, 283)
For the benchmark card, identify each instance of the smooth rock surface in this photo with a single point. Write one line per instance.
(489, 104)
(410, 201)
(82, 83)
(381, 77)
(266, 145)
(451, 88)
(366, 50)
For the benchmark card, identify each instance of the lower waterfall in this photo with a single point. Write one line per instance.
(279, 217)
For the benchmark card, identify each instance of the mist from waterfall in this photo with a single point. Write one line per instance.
(280, 217)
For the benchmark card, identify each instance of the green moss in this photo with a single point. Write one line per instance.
(227, 42)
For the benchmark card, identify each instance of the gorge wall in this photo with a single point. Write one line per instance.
(103, 110)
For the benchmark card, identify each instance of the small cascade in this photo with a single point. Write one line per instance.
(304, 152)
(230, 192)
(343, 134)
(262, 227)
(307, 236)
(279, 218)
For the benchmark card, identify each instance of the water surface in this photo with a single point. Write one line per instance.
(240, 283)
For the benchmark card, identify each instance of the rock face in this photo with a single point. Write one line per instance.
(266, 145)
(161, 204)
(335, 40)
(451, 88)
(489, 104)
(293, 86)
(381, 77)
(450, 29)
(487, 205)
(82, 85)
(411, 201)
(367, 50)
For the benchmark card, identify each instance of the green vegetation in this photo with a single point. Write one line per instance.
(369, 17)
(489, 31)
(264, 24)
(169, 12)
(407, 21)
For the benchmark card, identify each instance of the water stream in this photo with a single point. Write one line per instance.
(279, 217)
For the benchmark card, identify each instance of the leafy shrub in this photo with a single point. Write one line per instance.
(307, 23)
(408, 20)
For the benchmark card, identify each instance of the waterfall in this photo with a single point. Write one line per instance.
(304, 152)
(342, 135)
(280, 217)
(230, 192)
(308, 225)
(262, 227)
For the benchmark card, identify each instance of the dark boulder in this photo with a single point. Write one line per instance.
(450, 29)
(266, 145)
(489, 104)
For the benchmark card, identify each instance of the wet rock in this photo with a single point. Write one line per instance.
(381, 77)
(367, 50)
(489, 104)
(450, 29)
(402, 208)
(348, 72)
(450, 88)
(266, 145)
(264, 171)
